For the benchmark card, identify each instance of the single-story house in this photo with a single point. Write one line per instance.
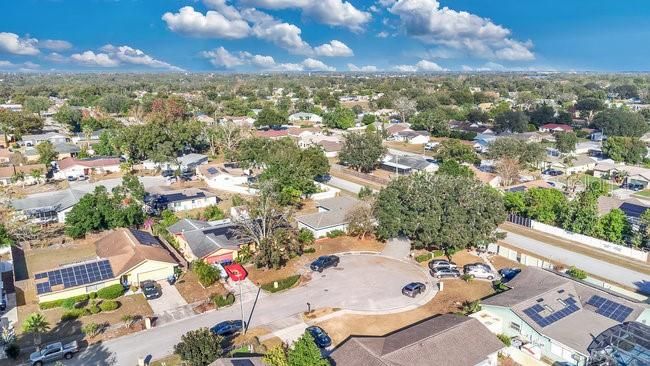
(412, 137)
(303, 133)
(580, 164)
(591, 148)
(406, 164)
(466, 126)
(395, 128)
(242, 121)
(7, 174)
(187, 163)
(212, 242)
(81, 136)
(272, 133)
(556, 316)
(449, 339)
(332, 215)
(303, 116)
(228, 177)
(72, 167)
(181, 199)
(63, 150)
(555, 127)
(124, 256)
(331, 148)
(53, 137)
(631, 207)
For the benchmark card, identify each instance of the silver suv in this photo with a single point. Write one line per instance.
(479, 271)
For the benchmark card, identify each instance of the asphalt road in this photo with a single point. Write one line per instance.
(344, 184)
(360, 282)
(600, 268)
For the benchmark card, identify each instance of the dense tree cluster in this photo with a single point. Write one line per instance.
(362, 151)
(439, 211)
(627, 149)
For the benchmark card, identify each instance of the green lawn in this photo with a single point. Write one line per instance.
(588, 179)
(643, 194)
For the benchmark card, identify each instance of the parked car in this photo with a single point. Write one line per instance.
(150, 289)
(509, 273)
(167, 173)
(228, 328)
(633, 186)
(477, 264)
(71, 178)
(480, 272)
(323, 262)
(82, 177)
(431, 145)
(552, 172)
(445, 273)
(413, 289)
(53, 352)
(437, 264)
(320, 336)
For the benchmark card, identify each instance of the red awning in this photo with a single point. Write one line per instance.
(236, 272)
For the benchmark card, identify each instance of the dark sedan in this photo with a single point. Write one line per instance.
(445, 273)
(320, 337)
(151, 290)
(324, 262)
(228, 328)
(509, 273)
(413, 289)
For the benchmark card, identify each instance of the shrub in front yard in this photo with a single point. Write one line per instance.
(467, 278)
(222, 301)
(309, 250)
(59, 303)
(505, 339)
(306, 237)
(109, 305)
(206, 273)
(438, 253)
(91, 329)
(576, 273)
(12, 351)
(283, 284)
(111, 292)
(94, 309)
(423, 257)
(73, 314)
(335, 233)
(92, 295)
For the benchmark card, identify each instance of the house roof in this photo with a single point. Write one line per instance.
(406, 162)
(556, 126)
(9, 171)
(440, 340)
(239, 361)
(331, 146)
(127, 248)
(551, 292)
(271, 133)
(192, 158)
(43, 136)
(204, 238)
(397, 127)
(335, 214)
(89, 163)
(411, 133)
(179, 195)
(631, 207)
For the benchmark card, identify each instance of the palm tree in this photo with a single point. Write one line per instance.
(36, 325)
(471, 307)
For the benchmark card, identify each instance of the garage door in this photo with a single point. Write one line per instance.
(155, 275)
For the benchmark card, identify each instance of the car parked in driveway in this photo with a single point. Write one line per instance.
(508, 273)
(445, 273)
(552, 172)
(413, 289)
(324, 262)
(150, 289)
(479, 271)
(320, 336)
(437, 264)
(53, 352)
(228, 328)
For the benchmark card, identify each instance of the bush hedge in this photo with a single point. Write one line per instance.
(438, 253)
(309, 250)
(335, 233)
(222, 301)
(423, 257)
(109, 305)
(59, 303)
(12, 351)
(73, 314)
(111, 292)
(576, 273)
(283, 284)
(94, 309)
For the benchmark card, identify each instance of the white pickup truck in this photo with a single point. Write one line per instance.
(53, 352)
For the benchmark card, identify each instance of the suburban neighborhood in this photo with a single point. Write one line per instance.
(281, 212)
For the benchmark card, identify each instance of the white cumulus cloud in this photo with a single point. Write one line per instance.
(459, 30)
(90, 58)
(55, 44)
(334, 49)
(12, 43)
(113, 56)
(331, 12)
(316, 65)
(422, 66)
(221, 57)
(212, 24)
(367, 68)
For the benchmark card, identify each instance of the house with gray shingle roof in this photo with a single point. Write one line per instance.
(556, 316)
(332, 215)
(212, 242)
(450, 340)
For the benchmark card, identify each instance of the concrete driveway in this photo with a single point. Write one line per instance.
(170, 299)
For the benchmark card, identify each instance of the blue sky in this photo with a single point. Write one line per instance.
(322, 35)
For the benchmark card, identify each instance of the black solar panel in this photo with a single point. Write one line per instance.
(609, 308)
(144, 237)
(81, 274)
(534, 311)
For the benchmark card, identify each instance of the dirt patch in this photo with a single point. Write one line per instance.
(192, 291)
(412, 148)
(500, 262)
(323, 246)
(315, 314)
(448, 301)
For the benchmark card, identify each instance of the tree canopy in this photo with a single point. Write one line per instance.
(199, 347)
(453, 149)
(619, 122)
(340, 117)
(511, 121)
(439, 211)
(362, 150)
(628, 149)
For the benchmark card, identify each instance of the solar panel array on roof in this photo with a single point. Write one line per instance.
(144, 237)
(609, 308)
(77, 275)
(534, 311)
